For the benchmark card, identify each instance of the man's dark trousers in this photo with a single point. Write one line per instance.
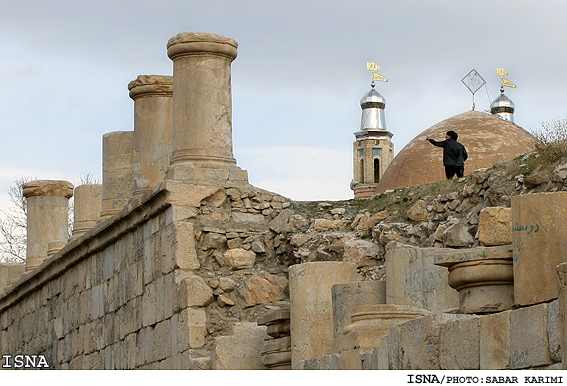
(450, 171)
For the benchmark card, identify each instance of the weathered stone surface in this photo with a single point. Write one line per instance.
(226, 284)
(495, 226)
(529, 344)
(188, 195)
(562, 276)
(351, 360)
(242, 350)
(202, 115)
(347, 296)
(418, 211)
(9, 274)
(175, 214)
(258, 290)
(323, 225)
(483, 277)
(459, 344)
(361, 252)
(311, 313)
(536, 179)
(251, 220)
(383, 354)
(239, 258)
(86, 207)
(370, 359)
(180, 245)
(495, 341)
(212, 240)
(117, 168)
(276, 353)
(195, 292)
(370, 323)
(152, 95)
(559, 173)
(413, 279)
(47, 207)
(457, 235)
(414, 345)
(280, 223)
(554, 330)
(367, 221)
(539, 245)
(191, 329)
(224, 300)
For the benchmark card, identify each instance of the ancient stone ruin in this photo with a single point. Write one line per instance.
(177, 262)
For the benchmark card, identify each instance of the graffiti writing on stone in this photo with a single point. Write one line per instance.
(460, 257)
(519, 359)
(528, 228)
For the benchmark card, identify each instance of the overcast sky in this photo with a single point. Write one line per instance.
(297, 80)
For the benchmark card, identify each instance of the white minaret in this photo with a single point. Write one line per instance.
(373, 149)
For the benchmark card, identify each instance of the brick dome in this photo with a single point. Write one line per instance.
(488, 140)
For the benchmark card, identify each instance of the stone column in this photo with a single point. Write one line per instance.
(311, 325)
(9, 274)
(87, 208)
(482, 276)
(47, 205)
(370, 323)
(202, 108)
(347, 296)
(276, 354)
(153, 105)
(413, 279)
(539, 240)
(117, 169)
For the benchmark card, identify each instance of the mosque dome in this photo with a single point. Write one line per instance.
(503, 107)
(487, 138)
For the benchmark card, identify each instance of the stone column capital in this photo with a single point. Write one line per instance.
(201, 43)
(40, 188)
(151, 85)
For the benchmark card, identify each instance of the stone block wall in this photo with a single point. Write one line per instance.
(524, 338)
(152, 287)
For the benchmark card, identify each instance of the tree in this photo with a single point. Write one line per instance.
(13, 222)
(551, 140)
(13, 235)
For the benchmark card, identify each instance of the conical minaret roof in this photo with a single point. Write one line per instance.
(503, 107)
(373, 105)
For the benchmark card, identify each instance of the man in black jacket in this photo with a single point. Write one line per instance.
(454, 154)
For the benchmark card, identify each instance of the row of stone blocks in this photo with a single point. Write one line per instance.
(525, 338)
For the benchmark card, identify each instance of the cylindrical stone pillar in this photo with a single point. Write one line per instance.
(539, 244)
(347, 296)
(117, 169)
(153, 106)
(54, 246)
(47, 204)
(311, 322)
(202, 107)
(87, 208)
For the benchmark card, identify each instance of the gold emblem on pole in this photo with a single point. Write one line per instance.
(505, 82)
(371, 66)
